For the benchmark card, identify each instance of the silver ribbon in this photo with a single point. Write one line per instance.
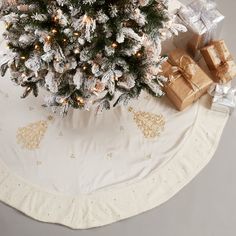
(223, 95)
(202, 17)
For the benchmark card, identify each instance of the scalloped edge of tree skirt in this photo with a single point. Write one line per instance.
(120, 202)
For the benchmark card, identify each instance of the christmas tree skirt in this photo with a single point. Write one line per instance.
(87, 169)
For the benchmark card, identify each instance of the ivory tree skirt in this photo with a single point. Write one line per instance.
(88, 170)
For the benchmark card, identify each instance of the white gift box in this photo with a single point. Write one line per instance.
(223, 98)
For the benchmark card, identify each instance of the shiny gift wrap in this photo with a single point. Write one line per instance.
(202, 19)
(223, 98)
(187, 82)
(220, 61)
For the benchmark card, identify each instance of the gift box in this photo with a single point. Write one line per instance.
(204, 23)
(223, 98)
(220, 61)
(186, 80)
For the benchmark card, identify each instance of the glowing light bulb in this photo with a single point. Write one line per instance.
(8, 25)
(63, 101)
(48, 37)
(114, 45)
(55, 18)
(139, 54)
(77, 51)
(54, 31)
(36, 47)
(80, 100)
(76, 33)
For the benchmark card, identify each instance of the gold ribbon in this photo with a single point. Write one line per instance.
(223, 67)
(186, 69)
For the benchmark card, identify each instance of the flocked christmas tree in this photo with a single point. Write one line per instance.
(86, 52)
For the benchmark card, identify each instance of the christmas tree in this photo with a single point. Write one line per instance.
(86, 52)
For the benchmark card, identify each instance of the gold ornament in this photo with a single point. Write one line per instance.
(150, 124)
(99, 87)
(9, 2)
(23, 7)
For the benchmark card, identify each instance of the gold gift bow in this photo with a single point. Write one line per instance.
(223, 67)
(186, 69)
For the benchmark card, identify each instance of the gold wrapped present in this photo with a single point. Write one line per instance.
(186, 80)
(220, 61)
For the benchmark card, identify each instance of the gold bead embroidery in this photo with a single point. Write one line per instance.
(72, 156)
(39, 163)
(149, 156)
(30, 137)
(50, 118)
(150, 124)
(109, 156)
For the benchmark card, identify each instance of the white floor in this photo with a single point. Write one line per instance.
(206, 207)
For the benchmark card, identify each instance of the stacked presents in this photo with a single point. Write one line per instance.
(187, 82)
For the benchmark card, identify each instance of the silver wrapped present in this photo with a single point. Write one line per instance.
(223, 98)
(203, 21)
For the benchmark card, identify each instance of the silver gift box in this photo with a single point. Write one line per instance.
(224, 98)
(202, 18)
